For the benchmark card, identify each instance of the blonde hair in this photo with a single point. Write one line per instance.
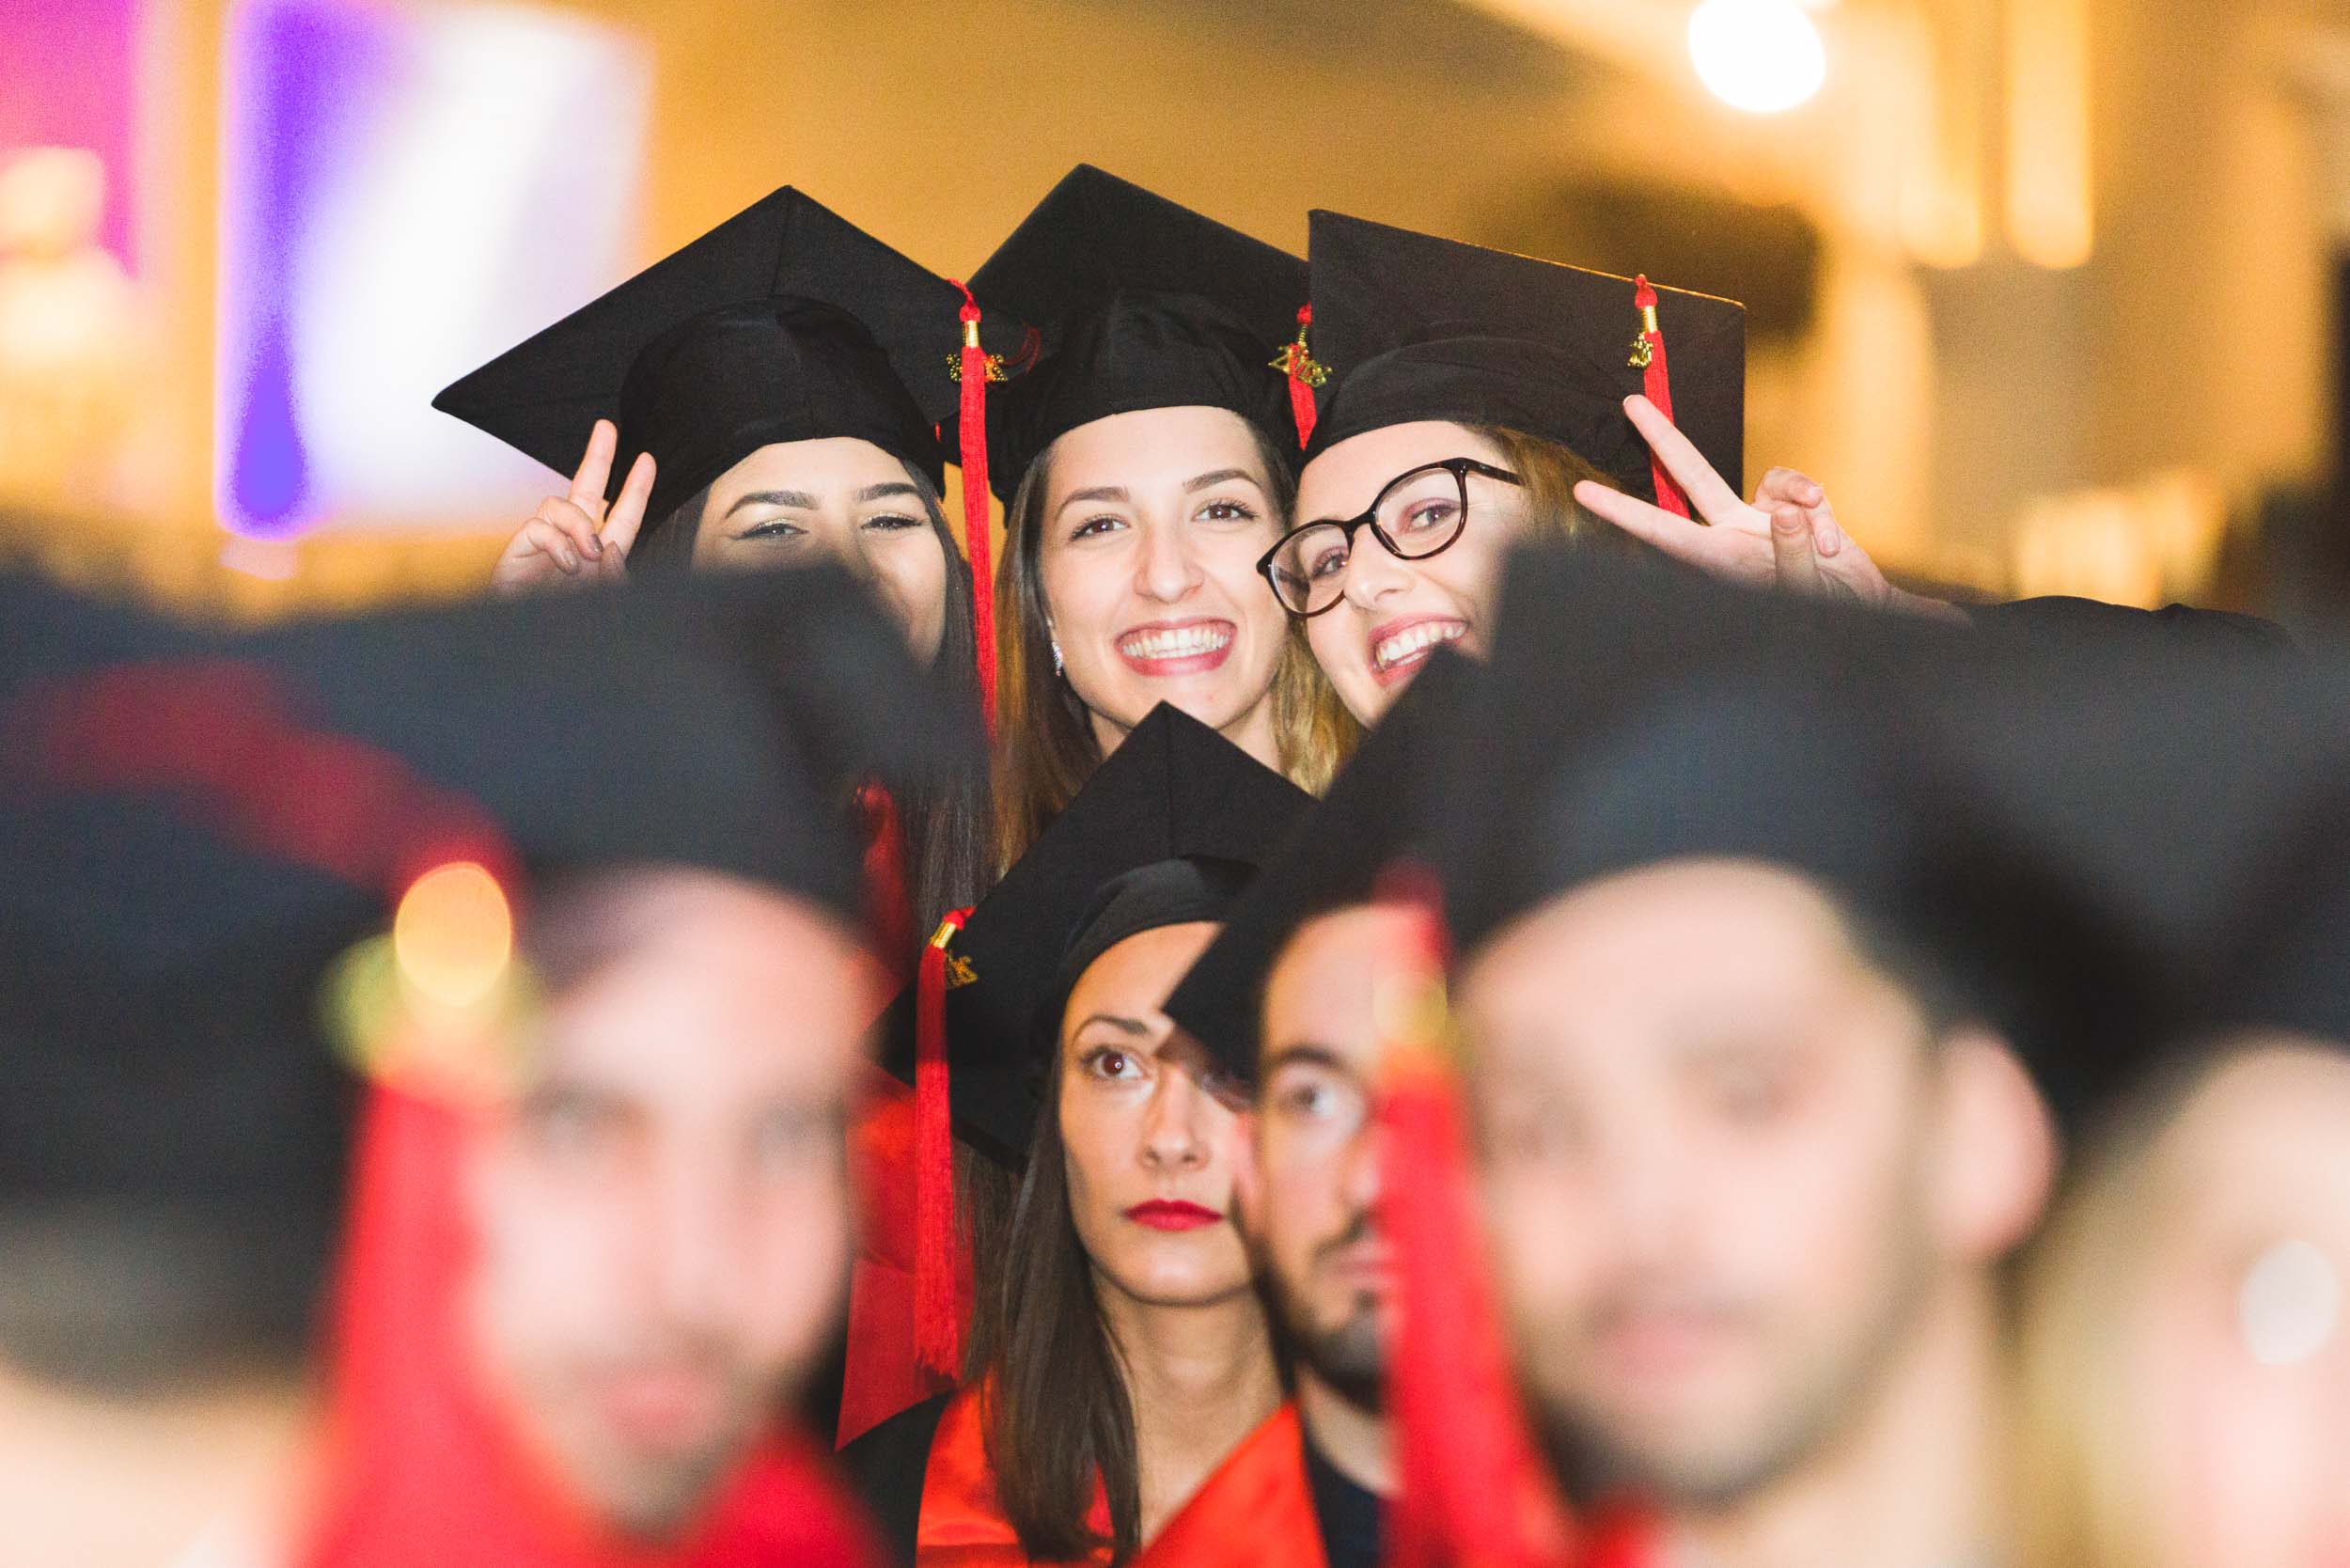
(1045, 746)
(1548, 473)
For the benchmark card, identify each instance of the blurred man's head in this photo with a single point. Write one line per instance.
(662, 1211)
(1316, 1180)
(1733, 1149)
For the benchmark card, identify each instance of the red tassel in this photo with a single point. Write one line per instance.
(1302, 389)
(973, 372)
(941, 1305)
(1473, 1487)
(1648, 353)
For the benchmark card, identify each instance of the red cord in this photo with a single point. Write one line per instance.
(1301, 390)
(976, 543)
(940, 1303)
(1656, 383)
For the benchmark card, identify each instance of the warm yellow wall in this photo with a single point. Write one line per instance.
(1935, 405)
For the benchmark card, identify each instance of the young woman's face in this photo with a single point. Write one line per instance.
(1394, 613)
(2239, 1371)
(1153, 525)
(841, 498)
(1150, 1147)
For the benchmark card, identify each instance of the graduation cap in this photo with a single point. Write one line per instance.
(1138, 304)
(786, 322)
(1410, 326)
(1383, 807)
(1635, 720)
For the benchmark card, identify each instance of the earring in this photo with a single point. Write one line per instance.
(1056, 655)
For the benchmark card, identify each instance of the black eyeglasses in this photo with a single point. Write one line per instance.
(1415, 515)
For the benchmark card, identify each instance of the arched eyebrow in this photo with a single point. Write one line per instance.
(797, 500)
(1117, 493)
(885, 490)
(1123, 1025)
(1218, 477)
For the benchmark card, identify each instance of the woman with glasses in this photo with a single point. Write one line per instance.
(1474, 395)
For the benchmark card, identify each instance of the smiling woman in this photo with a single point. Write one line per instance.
(1145, 456)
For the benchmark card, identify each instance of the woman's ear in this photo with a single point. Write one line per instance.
(1995, 1148)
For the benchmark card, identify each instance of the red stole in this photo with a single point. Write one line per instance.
(960, 1524)
(1258, 1508)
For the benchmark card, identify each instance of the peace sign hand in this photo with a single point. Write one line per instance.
(573, 539)
(1787, 538)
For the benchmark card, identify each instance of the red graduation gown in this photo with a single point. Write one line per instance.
(1257, 1509)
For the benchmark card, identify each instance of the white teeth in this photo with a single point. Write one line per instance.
(1179, 642)
(1390, 651)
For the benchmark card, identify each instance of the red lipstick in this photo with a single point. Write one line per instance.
(1172, 1214)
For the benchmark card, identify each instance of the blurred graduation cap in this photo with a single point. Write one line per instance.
(786, 322)
(1173, 790)
(1138, 304)
(1410, 326)
(1384, 807)
(197, 825)
(1944, 786)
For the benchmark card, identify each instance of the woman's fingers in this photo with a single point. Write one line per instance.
(627, 512)
(1792, 554)
(1675, 536)
(577, 526)
(1708, 492)
(595, 468)
(1785, 487)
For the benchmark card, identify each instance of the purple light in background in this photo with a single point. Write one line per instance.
(299, 73)
(69, 78)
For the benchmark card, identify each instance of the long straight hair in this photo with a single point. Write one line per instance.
(945, 821)
(1047, 749)
(1058, 1414)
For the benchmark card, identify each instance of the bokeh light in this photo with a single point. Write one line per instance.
(454, 934)
(1763, 56)
(2290, 1304)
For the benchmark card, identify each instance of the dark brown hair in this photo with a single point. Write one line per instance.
(1058, 1414)
(1046, 748)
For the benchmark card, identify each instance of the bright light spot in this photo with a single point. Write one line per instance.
(454, 934)
(1761, 56)
(2290, 1304)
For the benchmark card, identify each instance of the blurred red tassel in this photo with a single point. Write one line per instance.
(941, 1290)
(1473, 1486)
(1648, 353)
(972, 431)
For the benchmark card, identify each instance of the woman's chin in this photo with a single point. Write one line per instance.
(1180, 1282)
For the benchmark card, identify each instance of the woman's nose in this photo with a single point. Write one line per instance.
(1167, 571)
(1170, 1135)
(1371, 573)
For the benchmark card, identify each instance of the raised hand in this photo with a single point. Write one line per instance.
(1786, 538)
(572, 538)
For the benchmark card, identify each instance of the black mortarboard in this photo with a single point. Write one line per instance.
(1383, 807)
(209, 823)
(786, 322)
(1410, 326)
(1173, 790)
(1632, 720)
(1138, 304)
